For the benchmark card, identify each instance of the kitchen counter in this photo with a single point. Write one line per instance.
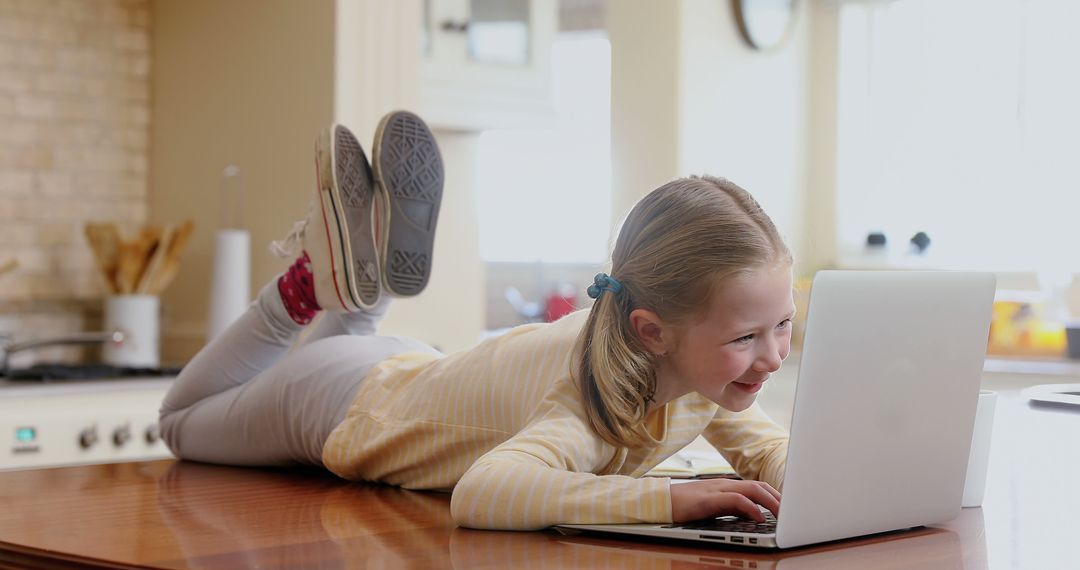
(1062, 367)
(175, 514)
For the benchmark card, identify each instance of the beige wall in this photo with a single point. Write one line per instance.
(245, 82)
(251, 82)
(645, 48)
(74, 134)
(818, 249)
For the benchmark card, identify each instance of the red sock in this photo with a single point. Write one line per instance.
(297, 289)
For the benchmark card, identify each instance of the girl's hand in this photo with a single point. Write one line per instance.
(718, 497)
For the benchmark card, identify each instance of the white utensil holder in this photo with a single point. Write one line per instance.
(137, 317)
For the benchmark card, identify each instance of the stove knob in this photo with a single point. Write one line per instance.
(121, 435)
(152, 434)
(87, 438)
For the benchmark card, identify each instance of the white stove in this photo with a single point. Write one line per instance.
(80, 422)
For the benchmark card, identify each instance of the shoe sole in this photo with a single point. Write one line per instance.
(347, 190)
(409, 171)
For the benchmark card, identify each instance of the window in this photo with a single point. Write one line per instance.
(545, 194)
(962, 119)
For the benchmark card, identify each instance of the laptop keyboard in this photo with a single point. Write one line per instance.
(731, 524)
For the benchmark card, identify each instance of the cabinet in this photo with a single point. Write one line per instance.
(486, 63)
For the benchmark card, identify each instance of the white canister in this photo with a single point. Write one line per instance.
(231, 281)
(136, 316)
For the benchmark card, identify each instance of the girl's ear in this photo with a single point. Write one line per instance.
(650, 330)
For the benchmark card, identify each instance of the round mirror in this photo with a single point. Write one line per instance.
(764, 23)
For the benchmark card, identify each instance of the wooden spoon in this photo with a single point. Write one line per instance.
(157, 258)
(134, 256)
(170, 265)
(104, 240)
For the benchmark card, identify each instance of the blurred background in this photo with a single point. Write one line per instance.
(878, 134)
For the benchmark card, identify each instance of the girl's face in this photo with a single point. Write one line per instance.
(742, 339)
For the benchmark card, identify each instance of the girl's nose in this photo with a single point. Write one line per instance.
(770, 358)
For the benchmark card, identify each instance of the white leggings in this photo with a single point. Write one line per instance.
(246, 399)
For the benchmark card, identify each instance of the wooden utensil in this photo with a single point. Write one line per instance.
(157, 258)
(133, 258)
(104, 240)
(170, 265)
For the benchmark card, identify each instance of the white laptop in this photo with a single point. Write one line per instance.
(884, 411)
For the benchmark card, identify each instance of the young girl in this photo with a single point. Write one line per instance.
(546, 424)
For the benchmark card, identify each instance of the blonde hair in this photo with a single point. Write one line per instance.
(675, 246)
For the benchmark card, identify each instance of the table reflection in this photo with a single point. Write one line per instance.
(223, 517)
(921, 548)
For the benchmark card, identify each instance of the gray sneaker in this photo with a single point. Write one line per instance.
(338, 232)
(409, 175)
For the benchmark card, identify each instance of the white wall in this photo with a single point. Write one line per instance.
(709, 104)
(743, 112)
(377, 59)
(450, 313)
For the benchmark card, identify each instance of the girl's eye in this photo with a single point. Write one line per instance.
(784, 324)
(744, 339)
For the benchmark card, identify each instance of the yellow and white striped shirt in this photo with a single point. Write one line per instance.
(503, 425)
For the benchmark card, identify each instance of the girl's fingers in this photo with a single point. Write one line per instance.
(724, 497)
(765, 495)
(761, 495)
(770, 489)
(745, 506)
(758, 493)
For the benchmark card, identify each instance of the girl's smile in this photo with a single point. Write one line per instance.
(750, 388)
(729, 353)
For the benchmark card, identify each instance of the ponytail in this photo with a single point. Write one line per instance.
(610, 350)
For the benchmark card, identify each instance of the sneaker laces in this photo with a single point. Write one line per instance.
(287, 248)
(293, 241)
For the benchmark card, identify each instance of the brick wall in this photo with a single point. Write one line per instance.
(74, 135)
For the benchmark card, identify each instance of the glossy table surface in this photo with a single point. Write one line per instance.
(171, 514)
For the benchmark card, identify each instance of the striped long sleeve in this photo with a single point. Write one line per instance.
(556, 471)
(754, 445)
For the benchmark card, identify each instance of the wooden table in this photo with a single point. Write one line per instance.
(170, 514)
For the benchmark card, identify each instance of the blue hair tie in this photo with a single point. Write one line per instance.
(603, 282)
